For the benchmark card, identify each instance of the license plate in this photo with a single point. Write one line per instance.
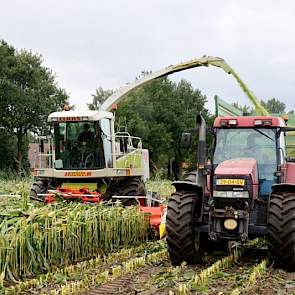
(227, 181)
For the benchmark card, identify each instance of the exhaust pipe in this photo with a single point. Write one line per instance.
(202, 145)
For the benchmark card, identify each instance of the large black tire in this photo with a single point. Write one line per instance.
(39, 187)
(275, 223)
(183, 237)
(281, 228)
(132, 186)
(288, 232)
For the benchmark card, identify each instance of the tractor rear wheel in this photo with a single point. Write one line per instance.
(183, 237)
(275, 222)
(132, 186)
(288, 232)
(281, 228)
(39, 187)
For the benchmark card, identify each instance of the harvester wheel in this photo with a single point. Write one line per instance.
(281, 228)
(183, 237)
(133, 186)
(39, 187)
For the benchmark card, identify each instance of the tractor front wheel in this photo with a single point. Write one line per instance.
(183, 237)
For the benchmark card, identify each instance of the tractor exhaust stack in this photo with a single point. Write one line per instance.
(202, 153)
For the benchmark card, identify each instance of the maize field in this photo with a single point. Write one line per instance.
(82, 249)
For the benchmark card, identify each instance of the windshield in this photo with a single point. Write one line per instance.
(254, 143)
(290, 144)
(79, 145)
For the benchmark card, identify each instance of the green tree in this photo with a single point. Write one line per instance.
(98, 98)
(244, 108)
(28, 93)
(7, 151)
(159, 112)
(274, 106)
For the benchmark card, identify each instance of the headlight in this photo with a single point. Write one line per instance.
(231, 194)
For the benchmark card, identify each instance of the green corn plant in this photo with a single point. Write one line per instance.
(38, 240)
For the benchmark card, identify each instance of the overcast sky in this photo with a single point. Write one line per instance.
(108, 43)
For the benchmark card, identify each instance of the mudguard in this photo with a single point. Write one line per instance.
(283, 187)
(193, 182)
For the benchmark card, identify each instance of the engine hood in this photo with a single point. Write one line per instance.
(238, 167)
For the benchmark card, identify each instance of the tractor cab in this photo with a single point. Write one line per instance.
(251, 138)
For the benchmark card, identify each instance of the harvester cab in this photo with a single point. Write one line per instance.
(85, 159)
(82, 142)
(246, 190)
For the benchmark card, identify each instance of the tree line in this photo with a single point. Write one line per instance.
(160, 112)
(28, 93)
(273, 106)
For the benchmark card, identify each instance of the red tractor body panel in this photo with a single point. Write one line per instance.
(240, 167)
(250, 122)
(290, 175)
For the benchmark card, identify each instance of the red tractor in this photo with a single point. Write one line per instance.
(244, 188)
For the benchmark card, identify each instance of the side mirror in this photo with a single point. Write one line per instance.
(210, 153)
(43, 142)
(291, 159)
(186, 140)
(41, 145)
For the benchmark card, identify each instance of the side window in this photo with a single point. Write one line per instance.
(107, 140)
(290, 144)
(282, 151)
(266, 145)
(60, 136)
